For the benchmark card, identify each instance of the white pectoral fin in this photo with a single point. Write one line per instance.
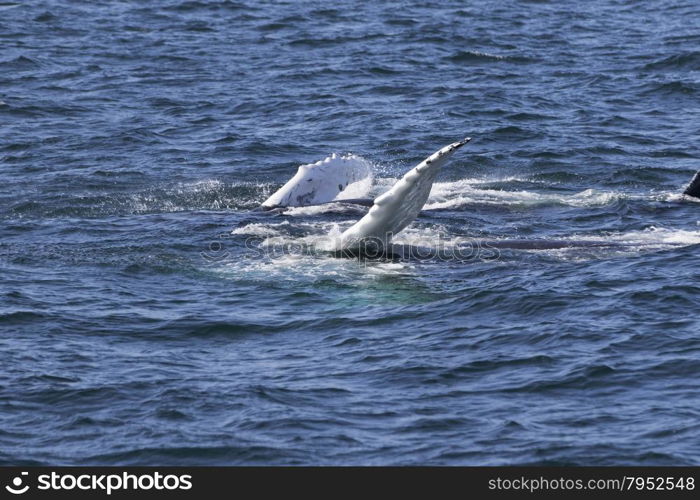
(398, 207)
(323, 181)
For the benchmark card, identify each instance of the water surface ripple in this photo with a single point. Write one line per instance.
(147, 318)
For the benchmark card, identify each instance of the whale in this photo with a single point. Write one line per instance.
(399, 206)
(693, 189)
(335, 179)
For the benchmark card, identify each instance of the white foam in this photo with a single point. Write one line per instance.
(446, 195)
(651, 236)
(677, 197)
(304, 267)
(208, 194)
(652, 239)
(260, 229)
(316, 235)
(430, 236)
(325, 208)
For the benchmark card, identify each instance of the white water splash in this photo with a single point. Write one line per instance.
(649, 237)
(446, 195)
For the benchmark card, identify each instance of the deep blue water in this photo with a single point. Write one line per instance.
(148, 318)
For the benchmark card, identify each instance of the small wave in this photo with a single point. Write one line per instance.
(474, 56)
(190, 6)
(676, 87)
(15, 317)
(313, 42)
(242, 454)
(19, 64)
(685, 60)
(45, 17)
(529, 116)
(515, 133)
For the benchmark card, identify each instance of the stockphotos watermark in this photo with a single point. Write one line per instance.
(440, 248)
(99, 483)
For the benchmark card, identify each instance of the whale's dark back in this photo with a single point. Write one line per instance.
(693, 188)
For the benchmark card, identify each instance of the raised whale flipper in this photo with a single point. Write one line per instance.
(693, 188)
(396, 209)
(321, 182)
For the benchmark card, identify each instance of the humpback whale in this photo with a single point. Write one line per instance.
(330, 180)
(333, 181)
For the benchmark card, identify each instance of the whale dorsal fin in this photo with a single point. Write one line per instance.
(396, 209)
(693, 188)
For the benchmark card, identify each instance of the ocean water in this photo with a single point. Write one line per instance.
(147, 317)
